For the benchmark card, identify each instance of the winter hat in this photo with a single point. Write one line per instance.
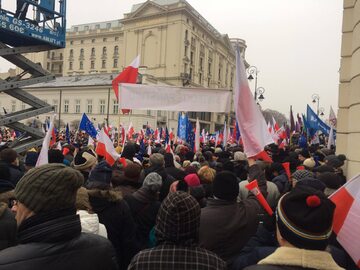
(49, 187)
(153, 182)
(309, 163)
(331, 180)
(31, 158)
(239, 156)
(186, 163)
(301, 174)
(334, 161)
(312, 182)
(206, 174)
(132, 171)
(304, 217)
(324, 168)
(84, 160)
(226, 186)
(196, 165)
(192, 180)
(100, 176)
(157, 160)
(178, 220)
(218, 150)
(55, 156)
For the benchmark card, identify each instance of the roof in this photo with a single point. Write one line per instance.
(159, 2)
(95, 25)
(78, 80)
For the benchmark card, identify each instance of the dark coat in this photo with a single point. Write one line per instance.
(8, 227)
(176, 173)
(15, 173)
(282, 182)
(115, 214)
(225, 227)
(47, 242)
(144, 207)
(276, 267)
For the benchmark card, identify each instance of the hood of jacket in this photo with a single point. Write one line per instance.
(102, 199)
(90, 223)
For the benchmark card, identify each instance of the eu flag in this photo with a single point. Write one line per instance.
(67, 133)
(87, 126)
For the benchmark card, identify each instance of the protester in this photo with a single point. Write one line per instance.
(170, 168)
(10, 157)
(177, 234)
(304, 220)
(85, 161)
(127, 181)
(49, 231)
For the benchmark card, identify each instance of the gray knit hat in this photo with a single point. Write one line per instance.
(157, 160)
(153, 182)
(49, 187)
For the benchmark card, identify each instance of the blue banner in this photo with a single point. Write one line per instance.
(315, 123)
(67, 134)
(87, 126)
(183, 131)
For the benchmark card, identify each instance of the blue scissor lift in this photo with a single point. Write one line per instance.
(35, 26)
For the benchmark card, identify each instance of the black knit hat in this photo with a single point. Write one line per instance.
(304, 218)
(226, 186)
(49, 187)
(100, 176)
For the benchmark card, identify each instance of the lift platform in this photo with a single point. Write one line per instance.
(44, 30)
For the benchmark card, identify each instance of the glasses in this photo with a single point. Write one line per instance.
(12, 203)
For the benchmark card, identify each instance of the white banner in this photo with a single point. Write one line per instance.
(170, 98)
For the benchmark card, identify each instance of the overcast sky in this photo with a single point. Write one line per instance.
(294, 44)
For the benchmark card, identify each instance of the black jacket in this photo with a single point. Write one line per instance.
(115, 214)
(166, 178)
(54, 241)
(8, 227)
(15, 173)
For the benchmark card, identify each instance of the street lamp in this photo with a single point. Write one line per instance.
(252, 70)
(316, 98)
(321, 111)
(259, 94)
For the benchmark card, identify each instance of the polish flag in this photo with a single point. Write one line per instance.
(53, 137)
(106, 148)
(346, 218)
(275, 125)
(225, 137)
(91, 141)
(197, 136)
(217, 139)
(130, 131)
(254, 132)
(43, 156)
(128, 75)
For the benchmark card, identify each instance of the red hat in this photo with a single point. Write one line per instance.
(192, 180)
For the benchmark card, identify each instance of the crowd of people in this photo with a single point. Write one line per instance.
(169, 210)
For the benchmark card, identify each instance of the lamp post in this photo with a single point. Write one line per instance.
(259, 93)
(252, 70)
(321, 111)
(316, 98)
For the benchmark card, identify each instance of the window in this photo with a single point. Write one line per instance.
(201, 63)
(185, 67)
(48, 66)
(89, 106)
(77, 105)
(191, 58)
(55, 104)
(148, 112)
(52, 67)
(92, 65)
(219, 74)
(82, 41)
(60, 68)
(200, 78)
(23, 105)
(104, 39)
(81, 52)
(190, 73)
(115, 107)
(71, 53)
(48, 54)
(108, 25)
(97, 26)
(186, 34)
(70, 65)
(103, 64)
(93, 40)
(209, 68)
(86, 28)
(81, 65)
(102, 106)
(53, 55)
(71, 42)
(209, 80)
(13, 105)
(61, 56)
(92, 51)
(115, 63)
(104, 50)
(116, 50)
(116, 38)
(76, 29)
(66, 106)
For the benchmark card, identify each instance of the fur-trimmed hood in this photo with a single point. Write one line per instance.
(314, 259)
(102, 199)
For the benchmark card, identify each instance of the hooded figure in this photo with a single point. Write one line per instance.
(177, 233)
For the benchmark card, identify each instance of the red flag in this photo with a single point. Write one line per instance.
(286, 166)
(106, 148)
(252, 125)
(346, 217)
(128, 75)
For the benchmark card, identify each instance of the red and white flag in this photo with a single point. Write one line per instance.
(347, 217)
(128, 75)
(130, 131)
(253, 129)
(106, 148)
(43, 156)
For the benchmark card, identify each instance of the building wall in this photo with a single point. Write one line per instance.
(348, 129)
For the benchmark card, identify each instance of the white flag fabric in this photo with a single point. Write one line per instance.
(197, 135)
(332, 117)
(225, 136)
(331, 140)
(253, 129)
(43, 156)
(105, 148)
(171, 98)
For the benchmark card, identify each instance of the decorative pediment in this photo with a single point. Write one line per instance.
(148, 8)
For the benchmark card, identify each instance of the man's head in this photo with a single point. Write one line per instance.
(304, 219)
(226, 186)
(47, 188)
(157, 160)
(9, 156)
(178, 220)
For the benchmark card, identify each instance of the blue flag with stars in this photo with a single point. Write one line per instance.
(87, 126)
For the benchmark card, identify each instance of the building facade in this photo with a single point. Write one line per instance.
(176, 44)
(348, 129)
